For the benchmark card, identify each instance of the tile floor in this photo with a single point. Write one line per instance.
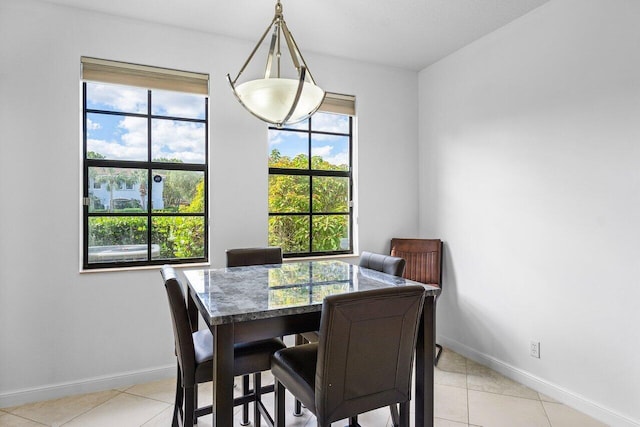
(467, 395)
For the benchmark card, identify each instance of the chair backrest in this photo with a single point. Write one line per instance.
(365, 352)
(424, 259)
(254, 256)
(383, 263)
(181, 325)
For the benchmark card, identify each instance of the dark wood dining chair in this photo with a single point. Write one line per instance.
(242, 257)
(384, 264)
(424, 264)
(194, 351)
(363, 360)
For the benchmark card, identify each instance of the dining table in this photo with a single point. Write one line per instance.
(242, 304)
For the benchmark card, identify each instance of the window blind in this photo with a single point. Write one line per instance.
(339, 103)
(125, 73)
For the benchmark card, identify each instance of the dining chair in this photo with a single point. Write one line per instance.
(384, 263)
(194, 351)
(242, 257)
(424, 264)
(363, 360)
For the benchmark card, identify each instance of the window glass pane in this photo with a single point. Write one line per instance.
(177, 141)
(291, 233)
(116, 239)
(124, 99)
(330, 233)
(329, 152)
(119, 190)
(177, 191)
(330, 194)
(329, 122)
(116, 137)
(177, 104)
(288, 149)
(178, 236)
(288, 193)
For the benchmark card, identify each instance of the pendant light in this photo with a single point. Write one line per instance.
(276, 100)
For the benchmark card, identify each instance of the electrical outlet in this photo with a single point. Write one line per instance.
(535, 349)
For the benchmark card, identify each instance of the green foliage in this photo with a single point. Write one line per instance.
(94, 155)
(107, 231)
(177, 236)
(180, 187)
(290, 194)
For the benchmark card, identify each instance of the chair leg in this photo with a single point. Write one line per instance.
(353, 422)
(245, 407)
(189, 408)
(395, 418)
(177, 406)
(257, 386)
(195, 402)
(404, 414)
(438, 354)
(297, 409)
(279, 405)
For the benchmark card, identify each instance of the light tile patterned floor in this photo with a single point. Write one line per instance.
(467, 395)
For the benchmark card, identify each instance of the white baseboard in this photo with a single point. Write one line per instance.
(540, 385)
(87, 385)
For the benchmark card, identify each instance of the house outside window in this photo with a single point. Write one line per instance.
(311, 182)
(145, 181)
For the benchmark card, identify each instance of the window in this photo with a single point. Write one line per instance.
(310, 184)
(145, 143)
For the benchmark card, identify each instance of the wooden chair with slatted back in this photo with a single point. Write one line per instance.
(423, 263)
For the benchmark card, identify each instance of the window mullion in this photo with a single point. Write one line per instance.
(310, 189)
(149, 157)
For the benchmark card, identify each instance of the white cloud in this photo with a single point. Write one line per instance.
(323, 151)
(114, 150)
(339, 159)
(177, 104)
(93, 125)
(118, 98)
(182, 140)
(330, 123)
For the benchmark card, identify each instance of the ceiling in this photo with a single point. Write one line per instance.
(409, 34)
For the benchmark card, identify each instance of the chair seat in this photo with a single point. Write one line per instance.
(295, 367)
(250, 357)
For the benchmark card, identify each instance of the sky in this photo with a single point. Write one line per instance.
(332, 148)
(125, 137)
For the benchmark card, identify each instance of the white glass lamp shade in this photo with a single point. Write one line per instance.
(271, 99)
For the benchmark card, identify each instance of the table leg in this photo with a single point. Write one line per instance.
(222, 375)
(425, 356)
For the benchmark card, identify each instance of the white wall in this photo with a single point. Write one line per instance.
(65, 332)
(530, 172)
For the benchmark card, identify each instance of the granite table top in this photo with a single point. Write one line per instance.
(238, 294)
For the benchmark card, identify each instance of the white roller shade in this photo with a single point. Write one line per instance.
(124, 73)
(338, 103)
